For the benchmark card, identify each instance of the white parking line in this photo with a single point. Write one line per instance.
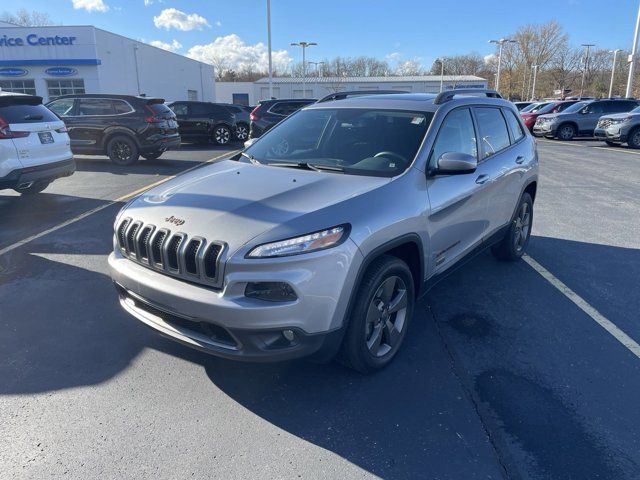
(88, 213)
(609, 326)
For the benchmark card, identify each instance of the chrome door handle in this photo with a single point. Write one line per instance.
(519, 159)
(482, 179)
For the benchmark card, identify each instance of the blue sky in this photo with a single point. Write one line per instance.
(410, 28)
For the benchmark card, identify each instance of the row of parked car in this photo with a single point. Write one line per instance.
(615, 121)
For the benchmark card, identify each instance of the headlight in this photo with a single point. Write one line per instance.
(311, 242)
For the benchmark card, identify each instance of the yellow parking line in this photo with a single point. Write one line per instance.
(582, 304)
(88, 213)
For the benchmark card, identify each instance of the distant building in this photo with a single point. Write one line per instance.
(250, 93)
(58, 60)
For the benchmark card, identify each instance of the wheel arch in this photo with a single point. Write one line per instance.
(113, 131)
(568, 122)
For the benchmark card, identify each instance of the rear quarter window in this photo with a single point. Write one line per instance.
(27, 114)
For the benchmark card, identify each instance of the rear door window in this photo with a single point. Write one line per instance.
(26, 114)
(179, 108)
(121, 107)
(620, 106)
(95, 107)
(62, 107)
(494, 135)
(514, 125)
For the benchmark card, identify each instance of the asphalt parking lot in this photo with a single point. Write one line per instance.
(505, 373)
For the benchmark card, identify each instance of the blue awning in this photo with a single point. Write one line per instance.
(51, 61)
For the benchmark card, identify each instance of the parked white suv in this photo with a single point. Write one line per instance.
(34, 145)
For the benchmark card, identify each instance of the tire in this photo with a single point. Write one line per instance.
(633, 139)
(566, 132)
(37, 187)
(515, 241)
(375, 332)
(221, 135)
(612, 144)
(123, 150)
(242, 132)
(152, 155)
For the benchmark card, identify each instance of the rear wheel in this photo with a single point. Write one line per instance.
(634, 138)
(514, 243)
(380, 317)
(122, 150)
(566, 132)
(153, 155)
(242, 132)
(36, 187)
(221, 135)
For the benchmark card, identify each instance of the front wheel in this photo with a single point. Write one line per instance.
(122, 150)
(242, 132)
(221, 135)
(634, 138)
(516, 239)
(566, 132)
(381, 315)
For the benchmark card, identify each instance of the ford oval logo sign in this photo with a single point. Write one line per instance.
(13, 72)
(61, 71)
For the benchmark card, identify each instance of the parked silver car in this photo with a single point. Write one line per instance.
(322, 234)
(620, 128)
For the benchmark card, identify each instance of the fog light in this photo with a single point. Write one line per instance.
(288, 334)
(270, 291)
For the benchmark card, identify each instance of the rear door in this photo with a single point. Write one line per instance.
(38, 135)
(185, 125)
(200, 119)
(458, 218)
(590, 115)
(91, 118)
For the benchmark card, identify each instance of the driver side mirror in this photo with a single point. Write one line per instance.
(250, 142)
(455, 163)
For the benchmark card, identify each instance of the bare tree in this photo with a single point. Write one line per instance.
(24, 18)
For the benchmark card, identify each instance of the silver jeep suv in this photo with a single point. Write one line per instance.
(319, 237)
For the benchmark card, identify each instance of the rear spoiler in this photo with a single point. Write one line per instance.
(20, 100)
(153, 101)
(448, 95)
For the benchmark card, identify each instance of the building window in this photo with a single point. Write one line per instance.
(19, 86)
(240, 98)
(192, 95)
(56, 88)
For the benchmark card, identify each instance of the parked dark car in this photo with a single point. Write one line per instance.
(271, 112)
(202, 122)
(529, 118)
(243, 122)
(120, 126)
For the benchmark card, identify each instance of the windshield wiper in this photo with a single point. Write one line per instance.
(251, 158)
(307, 166)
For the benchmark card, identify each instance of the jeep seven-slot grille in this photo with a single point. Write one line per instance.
(174, 254)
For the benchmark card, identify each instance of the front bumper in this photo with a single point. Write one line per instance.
(544, 129)
(40, 173)
(228, 324)
(611, 134)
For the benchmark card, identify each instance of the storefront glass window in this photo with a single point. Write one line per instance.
(57, 88)
(19, 86)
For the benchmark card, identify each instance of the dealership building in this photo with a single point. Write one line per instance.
(59, 60)
(250, 93)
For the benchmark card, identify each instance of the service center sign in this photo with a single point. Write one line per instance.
(60, 71)
(13, 72)
(35, 40)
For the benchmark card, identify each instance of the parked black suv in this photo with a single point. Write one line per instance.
(271, 112)
(120, 126)
(202, 122)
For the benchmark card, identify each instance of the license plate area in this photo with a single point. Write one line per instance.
(45, 137)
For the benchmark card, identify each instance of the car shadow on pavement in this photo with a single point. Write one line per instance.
(162, 166)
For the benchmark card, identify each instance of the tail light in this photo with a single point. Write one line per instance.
(253, 116)
(6, 132)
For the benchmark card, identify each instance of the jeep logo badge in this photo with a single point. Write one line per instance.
(174, 220)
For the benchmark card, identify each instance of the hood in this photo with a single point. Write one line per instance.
(234, 202)
(551, 116)
(620, 115)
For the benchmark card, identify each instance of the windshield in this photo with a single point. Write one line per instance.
(548, 107)
(346, 140)
(529, 107)
(538, 107)
(575, 107)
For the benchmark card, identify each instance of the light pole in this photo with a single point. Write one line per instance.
(632, 57)
(304, 46)
(586, 66)
(500, 42)
(533, 87)
(269, 48)
(613, 69)
(441, 60)
(135, 59)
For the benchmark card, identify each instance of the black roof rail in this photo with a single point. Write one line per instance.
(448, 95)
(356, 93)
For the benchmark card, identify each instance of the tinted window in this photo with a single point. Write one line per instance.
(27, 114)
(619, 107)
(456, 135)
(595, 108)
(95, 106)
(514, 125)
(62, 107)
(538, 107)
(575, 107)
(179, 108)
(120, 107)
(287, 108)
(200, 109)
(159, 108)
(493, 131)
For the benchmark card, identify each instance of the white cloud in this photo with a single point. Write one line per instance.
(172, 47)
(394, 57)
(231, 52)
(151, 2)
(173, 18)
(491, 58)
(90, 5)
(218, 23)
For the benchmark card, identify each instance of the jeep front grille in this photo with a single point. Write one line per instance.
(192, 258)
